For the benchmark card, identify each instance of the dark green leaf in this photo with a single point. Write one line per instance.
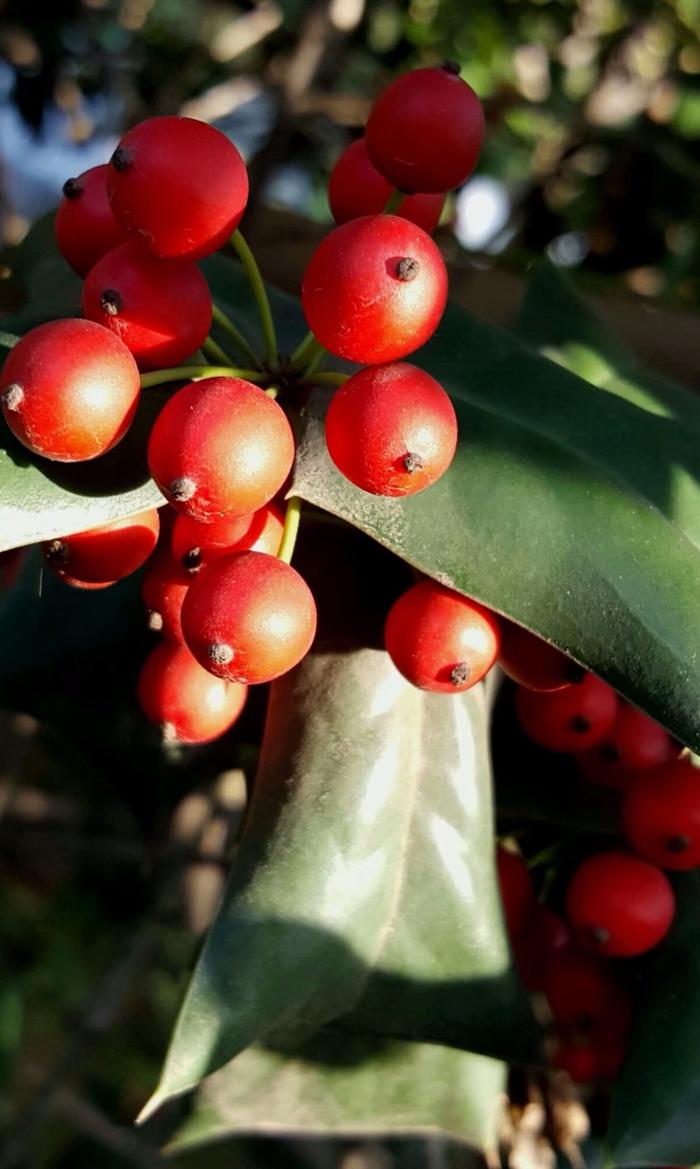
(567, 508)
(656, 1103)
(349, 1086)
(364, 892)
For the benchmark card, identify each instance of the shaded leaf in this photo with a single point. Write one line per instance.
(363, 892)
(655, 1116)
(349, 1086)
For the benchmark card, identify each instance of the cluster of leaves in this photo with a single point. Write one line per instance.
(358, 963)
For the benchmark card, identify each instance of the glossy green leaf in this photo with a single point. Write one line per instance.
(567, 508)
(364, 892)
(350, 1086)
(656, 1102)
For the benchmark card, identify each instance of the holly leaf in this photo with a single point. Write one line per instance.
(349, 1086)
(363, 894)
(568, 508)
(655, 1118)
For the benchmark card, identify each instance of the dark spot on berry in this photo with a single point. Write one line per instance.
(678, 843)
(111, 302)
(451, 67)
(459, 674)
(407, 269)
(56, 552)
(182, 489)
(599, 935)
(192, 559)
(121, 159)
(154, 620)
(609, 752)
(412, 462)
(72, 189)
(12, 396)
(219, 653)
(579, 725)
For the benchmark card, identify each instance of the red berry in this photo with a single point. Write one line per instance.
(572, 719)
(391, 429)
(580, 991)
(107, 553)
(249, 617)
(619, 905)
(424, 132)
(439, 640)
(374, 289)
(356, 188)
(189, 704)
(165, 584)
(195, 545)
(88, 585)
(533, 662)
(578, 1059)
(178, 184)
(517, 893)
(635, 743)
(69, 390)
(160, 309)
(85, 225)
(220, 447)
(545, 934)
(661, 815)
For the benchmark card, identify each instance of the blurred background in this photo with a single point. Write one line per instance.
(592, 158)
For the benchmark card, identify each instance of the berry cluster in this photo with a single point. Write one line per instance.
(219, 587)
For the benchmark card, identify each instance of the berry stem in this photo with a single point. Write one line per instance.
(255, 279)
(272, 392)
(225, 323)
(213, 350)
(195, 373)
(393, 203)
(306, 351)
(329, 379)
(8, 340)
(291, 529)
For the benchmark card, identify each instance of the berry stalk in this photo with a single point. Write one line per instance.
(291, 529)
(225, 323)
(255, 279)
(195, 373)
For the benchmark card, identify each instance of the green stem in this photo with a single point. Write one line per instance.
(306, 351)
(234, 333)
(272, 392)
(318, 359)
(195, 373)
(291, 529)
(256, 283)
(8, 340)
(210, 346)
(394, 202)
(328, 379)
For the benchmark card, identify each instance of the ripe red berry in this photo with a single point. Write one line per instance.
(533, 662)
(179, 185)
(619, 905)
(106, 553)
(374, 289)
(391, 429)
(635, 743)
(576, 1057)
(165, 584)
(517, 893)
(580, 990)
(424, 132)
(536, 945)
(439, 640)
(195, 545)
(356, 188)
(661, 815)
(188, 703)
(69, 390)
(572, 719)
(160, 309)
(220, 447)
(249, 617)
(597, 1055)
(85, 225)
